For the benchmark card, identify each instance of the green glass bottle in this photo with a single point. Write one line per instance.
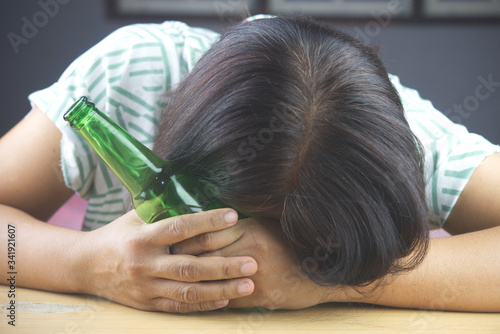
(159, 188)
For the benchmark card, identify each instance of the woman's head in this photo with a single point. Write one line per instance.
(292, 120)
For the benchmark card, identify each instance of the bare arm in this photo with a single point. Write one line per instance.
(461, 272)
(127, 261)
(31, 189)
(30, 167)
(478, 206)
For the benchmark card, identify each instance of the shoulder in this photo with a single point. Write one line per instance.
(478, 206)
(174, 43)
(131, 68)
(451, 152)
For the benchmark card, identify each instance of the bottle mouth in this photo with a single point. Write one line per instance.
(78, 111)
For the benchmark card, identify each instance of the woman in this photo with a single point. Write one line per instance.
(288, 121)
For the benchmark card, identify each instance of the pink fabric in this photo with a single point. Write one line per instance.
(71, 214)
(439, 233)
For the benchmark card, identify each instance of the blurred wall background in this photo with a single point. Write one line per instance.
(449, 63)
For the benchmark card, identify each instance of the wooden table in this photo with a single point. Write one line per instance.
(53, 313)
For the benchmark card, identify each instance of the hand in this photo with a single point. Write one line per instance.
(279, 281)
(130, 262)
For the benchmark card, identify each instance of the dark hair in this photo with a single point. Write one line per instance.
(293, 120)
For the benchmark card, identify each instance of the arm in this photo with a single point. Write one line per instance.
(31, 189)
(126, 261)
(460, 273)
(478, 206)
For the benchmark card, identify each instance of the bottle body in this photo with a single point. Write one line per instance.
(171, 193)
(159, 188)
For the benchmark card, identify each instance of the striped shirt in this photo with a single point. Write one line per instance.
(127, 74)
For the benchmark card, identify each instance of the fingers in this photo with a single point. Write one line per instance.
(176, 229)
(193, 297)
(187, 268)
(208, 242)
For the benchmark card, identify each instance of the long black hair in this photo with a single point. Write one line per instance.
(294, 120)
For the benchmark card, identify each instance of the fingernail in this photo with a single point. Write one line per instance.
(231, 217)
(221, 303)
(244, 288)
(248, 268)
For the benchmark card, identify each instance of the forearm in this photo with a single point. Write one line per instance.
(460, 273)
(46, 256)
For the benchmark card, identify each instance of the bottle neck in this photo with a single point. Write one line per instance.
(133, 163)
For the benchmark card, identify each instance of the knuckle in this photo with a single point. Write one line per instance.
(205, 241)
(187, 271)
(179, 228)
(135, 241)
(140, 296)
(273, 296)
(225, 293)
(213, 220)
(271, 306)
(226, 270)
(134, 268)
(188, 294)
(179, 307)
(146, 305)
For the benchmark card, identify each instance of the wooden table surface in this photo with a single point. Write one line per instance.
(46, 312)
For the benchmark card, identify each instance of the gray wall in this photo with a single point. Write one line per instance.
(448, 63)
